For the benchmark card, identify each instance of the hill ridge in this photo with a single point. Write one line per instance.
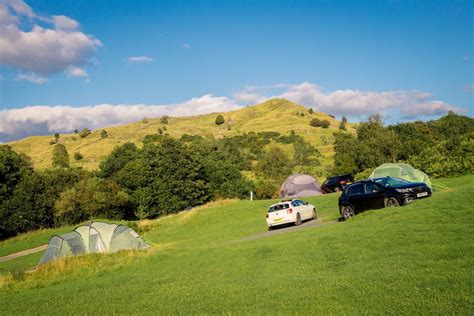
(278, 115)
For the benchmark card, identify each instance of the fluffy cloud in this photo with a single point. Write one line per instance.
(41, 50)
(41, 120)
(139, 59)
(37, 120)
(73, 71)
(31, 77)
(354, 103)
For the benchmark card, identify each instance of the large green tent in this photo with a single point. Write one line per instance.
(402, 171)
(92, 238)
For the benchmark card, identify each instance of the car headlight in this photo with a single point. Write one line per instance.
(403, 190)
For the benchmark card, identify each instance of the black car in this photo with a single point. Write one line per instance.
(378, 193)
(336, 183)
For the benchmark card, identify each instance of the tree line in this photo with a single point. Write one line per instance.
(441, 148)
(164, 176)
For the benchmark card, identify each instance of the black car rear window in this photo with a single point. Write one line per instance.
(278, 207)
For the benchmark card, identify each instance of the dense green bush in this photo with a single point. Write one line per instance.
(78, 156)
(315, 122)
(60, 156)
(84, 132)
(219, 120)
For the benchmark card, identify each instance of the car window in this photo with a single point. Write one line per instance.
(278, 207)
(371, 187)
(300, 202)
(355, 189)
(294, 203)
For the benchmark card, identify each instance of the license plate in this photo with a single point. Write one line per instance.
(422, 194)
(277, 219)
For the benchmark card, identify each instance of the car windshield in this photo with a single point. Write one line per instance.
(278, 207)
(391, 182)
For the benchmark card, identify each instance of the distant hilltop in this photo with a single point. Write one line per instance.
(278, 115)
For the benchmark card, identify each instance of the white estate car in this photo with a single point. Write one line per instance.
(290, 211)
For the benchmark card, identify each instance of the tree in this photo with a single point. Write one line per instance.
(60, 156)
(13, 167)
(164, 119)
(219, 120)
(310, 111)
(315, 122)
(304, 153)
(92, 198)
(342, 126)
(104, 134)
(84, 132)
(56, 137)
(117, 159)
(78, 156)
(275, 163)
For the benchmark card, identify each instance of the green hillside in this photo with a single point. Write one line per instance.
(415, 259)
(278, 115)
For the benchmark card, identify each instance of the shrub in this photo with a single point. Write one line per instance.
(53, 142)
(84, 132)
(325, 123)
(315, 122)
(145, 121)
(164, 119)
(78, 156)
(104, 134)
(310, 111)
(60, 156)
(219, 120)
(267, 189)
(342, 126)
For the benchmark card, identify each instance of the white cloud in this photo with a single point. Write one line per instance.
(73, 71)
(31, 77)
(139, 59)
(41, 120)
(64, 23)
(355, 103)
(186, 45)
(42, 50)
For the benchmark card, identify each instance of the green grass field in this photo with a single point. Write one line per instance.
(415, 259)
(277, 115)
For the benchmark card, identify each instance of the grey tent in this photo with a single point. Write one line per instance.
(300, 185)
(92, 238)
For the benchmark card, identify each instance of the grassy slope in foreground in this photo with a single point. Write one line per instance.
(414, 259)
(274, 115)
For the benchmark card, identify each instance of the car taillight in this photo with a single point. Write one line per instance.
(266, 215)
(289, 211)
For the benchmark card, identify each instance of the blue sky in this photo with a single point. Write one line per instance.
(405, 59)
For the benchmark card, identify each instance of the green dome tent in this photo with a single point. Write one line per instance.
(402, 171)
(92, 238)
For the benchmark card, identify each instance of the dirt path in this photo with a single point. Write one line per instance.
(23, 253)
(278, 231)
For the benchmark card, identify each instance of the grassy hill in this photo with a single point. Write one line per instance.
(274, 115)
(415, 259)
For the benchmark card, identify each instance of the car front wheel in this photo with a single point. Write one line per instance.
(315, 215)
(391, 202)
(347, 212)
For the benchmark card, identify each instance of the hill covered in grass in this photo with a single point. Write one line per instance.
(415, 259)
(277, 115)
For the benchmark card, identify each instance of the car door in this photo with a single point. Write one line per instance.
(356, 196)
(306, 209)
(375, 196)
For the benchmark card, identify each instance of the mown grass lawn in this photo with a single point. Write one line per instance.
(414, 259)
